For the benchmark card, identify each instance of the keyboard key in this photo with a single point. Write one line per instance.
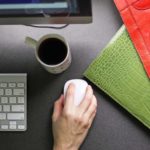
(4, 100)
(12, 122)
(15, 116)
(1, 92)
(3, 85)
(0, 107)
(12, 85)
(21, 127)
(18, 92)
(2, 116)
(12, 100)
(12, 126)
(8, 92)
(5, 127)
(6, 108)
(21, 85)
(21, 100)
(17, 108)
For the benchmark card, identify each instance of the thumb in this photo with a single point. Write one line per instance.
(58, 106)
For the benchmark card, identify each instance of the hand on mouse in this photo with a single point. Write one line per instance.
(71, 123)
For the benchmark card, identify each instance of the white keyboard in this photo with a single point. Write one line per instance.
(13, 102)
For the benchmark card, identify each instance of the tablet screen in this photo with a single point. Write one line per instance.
(37, 6)
(17, 1)
(45, 11)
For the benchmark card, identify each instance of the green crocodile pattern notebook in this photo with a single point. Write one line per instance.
(119, 72)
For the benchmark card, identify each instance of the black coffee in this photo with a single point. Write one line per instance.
(52, 51)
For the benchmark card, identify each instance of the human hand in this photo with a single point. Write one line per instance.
(71, 123)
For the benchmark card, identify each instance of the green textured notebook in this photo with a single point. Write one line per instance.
(118, 71)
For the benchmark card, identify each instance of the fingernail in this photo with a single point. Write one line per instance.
(89, 86)
(71, 84)
(61, 96)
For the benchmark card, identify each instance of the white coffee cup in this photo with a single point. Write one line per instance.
(52, 52)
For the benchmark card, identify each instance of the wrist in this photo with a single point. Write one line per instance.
(63, 147)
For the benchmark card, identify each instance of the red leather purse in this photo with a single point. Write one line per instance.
(136, 17)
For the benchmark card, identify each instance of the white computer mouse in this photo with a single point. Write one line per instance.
(80, 89)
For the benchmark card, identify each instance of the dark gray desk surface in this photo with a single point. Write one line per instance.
(113, 129)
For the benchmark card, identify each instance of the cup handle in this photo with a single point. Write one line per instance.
(31, 42)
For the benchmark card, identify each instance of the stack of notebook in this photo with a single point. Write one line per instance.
(118, 71)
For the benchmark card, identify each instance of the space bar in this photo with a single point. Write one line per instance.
(15, 116)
